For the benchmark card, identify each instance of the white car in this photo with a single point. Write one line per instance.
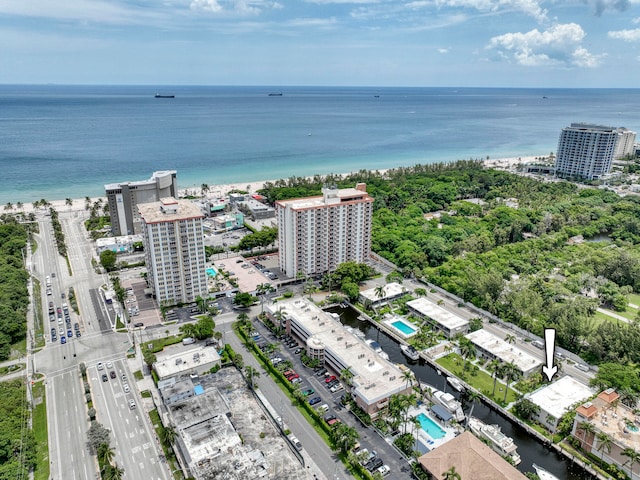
(125, 387)
(384, 470)
(100, 366)
(109, 365)
(132, 404)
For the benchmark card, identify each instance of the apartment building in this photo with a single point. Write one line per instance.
(587, 151)
(174, 250)
(316, 234)
(123, 199)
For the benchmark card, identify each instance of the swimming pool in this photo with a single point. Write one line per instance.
(403, 327)
(212, 272)
(431, 427)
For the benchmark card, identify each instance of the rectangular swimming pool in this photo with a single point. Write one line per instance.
(431, 427)
(404, 327)
(211, 272)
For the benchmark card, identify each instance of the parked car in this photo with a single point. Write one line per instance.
(308, 392)
(336, 388)
(112, 374)
(321, 372)
(132, 404)
(384, 470)
(105, 378)
(314, 400)
(374, 464)
(298, 350)
(329, 379)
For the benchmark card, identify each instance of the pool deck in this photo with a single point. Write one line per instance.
(390, 321)
(423, 437)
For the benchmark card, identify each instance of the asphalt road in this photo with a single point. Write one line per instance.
(66, 409)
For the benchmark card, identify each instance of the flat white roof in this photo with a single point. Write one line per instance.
(330, 197)
(185, 360)
(390, 290)
(438, 314)
(503, 350)
(557, 397)
(374, 377)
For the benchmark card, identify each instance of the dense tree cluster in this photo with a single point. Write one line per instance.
(262, 238)
(14, 297)
(17, 444)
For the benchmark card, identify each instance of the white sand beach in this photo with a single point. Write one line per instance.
(220, 191)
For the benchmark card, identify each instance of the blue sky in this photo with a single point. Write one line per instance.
(501, 43)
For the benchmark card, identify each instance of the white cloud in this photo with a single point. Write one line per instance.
(238, 7)
(532, 8)
(625, 35)
(327, 2)
(443, 50)
(558, 45)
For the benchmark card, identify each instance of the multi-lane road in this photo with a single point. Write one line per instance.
(136, 449)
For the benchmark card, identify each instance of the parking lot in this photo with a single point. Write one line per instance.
(141, 308)
(323, 390)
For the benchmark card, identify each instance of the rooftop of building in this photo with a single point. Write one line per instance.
(169, 210)
(151, 181)
(610, 416)
(330, 196)
(438, 314)
(471, 459)
(180, 359)
(225, 432)
(556, 398)
(124, 239)
(390, 290)
(374, 378)
(503, 350)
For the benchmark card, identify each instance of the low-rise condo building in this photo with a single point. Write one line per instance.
(373, 378)
(491, 346)
(447, 322)
(382, 294)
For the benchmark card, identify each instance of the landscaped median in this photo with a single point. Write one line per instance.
(40, 433)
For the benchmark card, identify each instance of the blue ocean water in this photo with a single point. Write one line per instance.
(68, 141)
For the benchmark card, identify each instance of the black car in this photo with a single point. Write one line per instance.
(321, 372)
(332, 383)
(105, 378)
(298, 350)
(373, 464)
(112, 374)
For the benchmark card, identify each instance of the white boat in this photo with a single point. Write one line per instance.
(450, 403)
(410, 352)
(455, 383)
(543, 474)
(502, 444)
(383, 354)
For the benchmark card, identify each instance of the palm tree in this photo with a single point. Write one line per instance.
(510, 339)
(68, 202)
(605, 443)
(512, 372)
(588, 430)
(105, 454)
(8, 206)
(346, 375)
(451, 474)
(167, 435)
(408, 377)
(472, 396)
(467, 350)
(280, 316)
(115, 473)
(379, 291)
(416, 429)
(251, 373)
(87, 203)
(495, 369)
(629, 397)
(633, 458)
(344, 437)
(204, 188)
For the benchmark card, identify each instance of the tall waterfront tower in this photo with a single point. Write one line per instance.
(316, 234)
(587, 151)
(174, 250)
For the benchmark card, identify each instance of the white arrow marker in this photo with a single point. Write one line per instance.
(549, 345)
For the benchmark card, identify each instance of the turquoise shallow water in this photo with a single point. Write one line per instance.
(68, 141)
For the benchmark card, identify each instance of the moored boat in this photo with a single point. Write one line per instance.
(164, 96)
(410, 352)
(500, 443)
(455, 383)
(450, 403)
(543, 474)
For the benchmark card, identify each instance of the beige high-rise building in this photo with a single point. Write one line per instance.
(174, 250)
(316, 234)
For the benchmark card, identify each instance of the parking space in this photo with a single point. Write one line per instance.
(247, 275)
(142, 308)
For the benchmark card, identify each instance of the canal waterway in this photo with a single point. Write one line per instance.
(531, 451)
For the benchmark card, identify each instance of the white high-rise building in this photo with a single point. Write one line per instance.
(587, 151)
(174, 250)
(316, 234)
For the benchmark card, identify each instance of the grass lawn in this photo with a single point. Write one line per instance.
(159, 343)
(39, 427)
(629, 314)
(634, 298)
(601, 317)
(482, 381)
